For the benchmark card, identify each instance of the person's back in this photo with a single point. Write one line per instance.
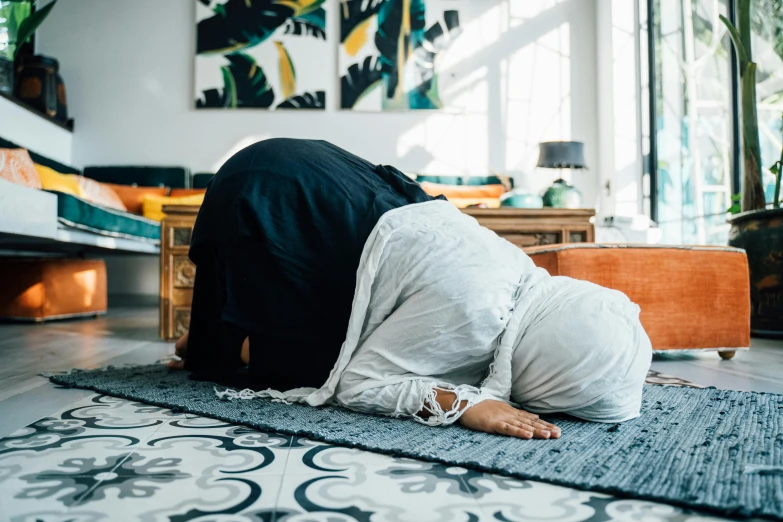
(280, 234)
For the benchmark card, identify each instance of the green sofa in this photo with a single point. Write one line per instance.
(82, 217)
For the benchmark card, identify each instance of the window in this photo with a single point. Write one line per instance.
(695, 143)
(767, 42)
(693, 120)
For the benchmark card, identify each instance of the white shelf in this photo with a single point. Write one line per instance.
(80, 237)
(34, 131)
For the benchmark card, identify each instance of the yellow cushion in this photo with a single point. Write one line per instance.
(152, 207)
(79, 186)
(53, 180)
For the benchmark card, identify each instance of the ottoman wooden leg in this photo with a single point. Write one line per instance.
(726, 355)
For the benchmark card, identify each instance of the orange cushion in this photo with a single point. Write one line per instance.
(691, 297)
(39, 289)
(463, 191)
(179, 192)
(17, 167)
(133, 197)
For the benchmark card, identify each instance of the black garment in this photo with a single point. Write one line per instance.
(277, 245)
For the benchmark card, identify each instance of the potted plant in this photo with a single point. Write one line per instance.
(756, 229)
(17, 25)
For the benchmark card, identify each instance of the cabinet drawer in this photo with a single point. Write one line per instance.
(523, 240)
(179, 236)
(181, 321)
(184, 271)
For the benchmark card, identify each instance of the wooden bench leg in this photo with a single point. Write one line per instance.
(726, 355)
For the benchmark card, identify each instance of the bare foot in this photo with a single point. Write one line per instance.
(500, 418)
(245, 353)
(180, 350)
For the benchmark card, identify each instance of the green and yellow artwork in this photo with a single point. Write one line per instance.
(261, 54)
(390, 52)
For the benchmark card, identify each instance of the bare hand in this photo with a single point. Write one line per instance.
(498, 417)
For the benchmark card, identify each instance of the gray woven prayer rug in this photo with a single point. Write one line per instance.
(707, 449)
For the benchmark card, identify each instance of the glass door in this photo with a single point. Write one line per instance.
(693, 120)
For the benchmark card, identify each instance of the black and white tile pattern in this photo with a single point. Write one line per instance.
(104, 458)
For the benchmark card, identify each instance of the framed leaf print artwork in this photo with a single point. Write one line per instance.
(261, 54)
(391, 52)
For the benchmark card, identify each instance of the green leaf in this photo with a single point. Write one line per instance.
(742, 55)
(358, 81)
(240, 24)
(734, 209)
(743, 22)
(31, 23)
(774, 168)
(229, 88)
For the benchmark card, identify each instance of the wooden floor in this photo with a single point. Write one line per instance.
(129, 335)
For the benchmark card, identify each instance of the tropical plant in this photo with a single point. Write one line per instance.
(355, 16)
(20, 24)
(752, 188)
(308, 100)
(358, 81)
(397, 33)
(425, 94)
(313, 23)
(244, 85)
(240, 24)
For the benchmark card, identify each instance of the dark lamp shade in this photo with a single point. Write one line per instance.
(561, 155)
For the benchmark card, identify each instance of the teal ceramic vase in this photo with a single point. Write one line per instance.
(521, 199)
(562, 195)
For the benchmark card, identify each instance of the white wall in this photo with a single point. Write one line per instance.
(29, 130)
(128, 67)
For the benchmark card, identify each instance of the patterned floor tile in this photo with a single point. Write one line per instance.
(352, 484)
(201, 447)
(339, 497)
(20, 505)
(179, 496)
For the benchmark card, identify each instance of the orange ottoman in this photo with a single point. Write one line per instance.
(692, 297)
(43, 289)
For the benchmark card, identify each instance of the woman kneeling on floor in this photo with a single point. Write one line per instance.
(324, 279)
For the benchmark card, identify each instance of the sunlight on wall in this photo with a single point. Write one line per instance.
(508, 85)
(539, 103)
(453, 144)
(241, 144)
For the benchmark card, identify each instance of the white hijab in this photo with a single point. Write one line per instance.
(582, 351)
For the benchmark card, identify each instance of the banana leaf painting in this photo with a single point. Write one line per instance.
(261, 54)
(389, 52)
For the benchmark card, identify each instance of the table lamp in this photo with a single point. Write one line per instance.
(561, 155)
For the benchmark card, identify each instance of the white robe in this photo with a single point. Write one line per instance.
(443, 303)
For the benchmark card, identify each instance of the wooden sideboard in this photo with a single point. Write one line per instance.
(522, 227)
(526, 227)
(177, 272)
